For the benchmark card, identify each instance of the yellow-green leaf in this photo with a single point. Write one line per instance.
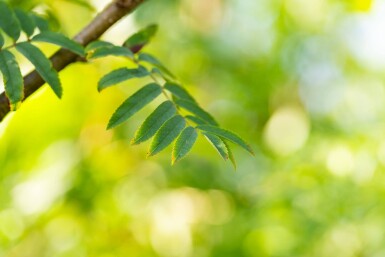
(134, 103)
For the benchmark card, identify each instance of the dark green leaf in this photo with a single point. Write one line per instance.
(194, 108)
(178, 91)
(13, 80)
(26, 21)
(110, 51)
(42, 65)
(97, 44)
(134, 103)
(166, 134)
(183, 144)
(120, 75)
(196, 120)
(60, 40)
(231, 156)
(9, 22)
(218, 144)
(1, 40)
(152, 124)
(227, 135)
(136, 42)
(41, 23)
(143, 57)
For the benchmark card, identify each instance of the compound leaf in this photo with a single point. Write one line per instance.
(226, 135)
(97, 44)
(60, 40)
(153, 122)
(42, 65)
(41, 23)
(120, 75)
(134, 103)
(184, 143)
(8, 21)
(166, 134)
(13, 80)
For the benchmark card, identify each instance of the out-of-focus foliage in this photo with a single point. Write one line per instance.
(300, 79)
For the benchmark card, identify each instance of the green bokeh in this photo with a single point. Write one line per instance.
(301, 80)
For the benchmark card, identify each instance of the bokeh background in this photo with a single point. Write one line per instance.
(302, 80)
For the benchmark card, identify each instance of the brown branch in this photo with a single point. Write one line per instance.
(116, 10)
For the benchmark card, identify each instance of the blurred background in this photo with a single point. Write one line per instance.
(302, 80)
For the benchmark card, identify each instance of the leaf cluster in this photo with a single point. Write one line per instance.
(179, 119)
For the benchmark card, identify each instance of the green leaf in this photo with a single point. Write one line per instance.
(1, 40)
(97, 44)
(183, 144)
(8, 21)
(196, 120)
(143, 57)
(178, 91)
(26, 21)
(110, 51)
(166, 134)
(60, 40)
(153, 122)
(194, 108)
(42, 65)
(13, 80)
(231, 156)
(138, 40)
(218, 144)
(41, 23)
(227, 135)
(134, 103)
(120, 75)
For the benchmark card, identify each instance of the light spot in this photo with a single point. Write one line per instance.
(340, 161)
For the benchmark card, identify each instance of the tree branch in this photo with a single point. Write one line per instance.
(116, 10)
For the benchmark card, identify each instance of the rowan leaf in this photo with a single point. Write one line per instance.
(97, 44)
(226, 135)
(60, 40)
(41, 23)
(178, 91)
(195, 109)
(166, 134)
(218, 144)
(110, 51)
(27, 23)
(1, 40)
(153, 122)
(13, 80)
(8, 21)
(183, 144)
(134, 103)
(120, 75)
(144, 57)
(42, 65)
(138, 40)
(231, 156)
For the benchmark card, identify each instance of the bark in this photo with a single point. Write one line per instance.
(116, 10)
